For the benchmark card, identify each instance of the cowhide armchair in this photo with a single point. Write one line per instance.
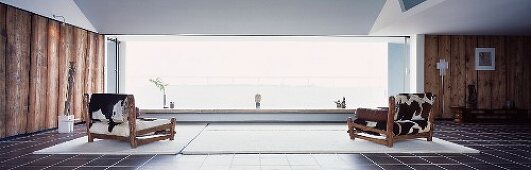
(114, 116)
(408, 116)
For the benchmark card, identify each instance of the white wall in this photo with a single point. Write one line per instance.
(294, 72)
(417, 63)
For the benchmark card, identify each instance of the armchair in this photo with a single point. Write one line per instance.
(114, 116)
(409, 116)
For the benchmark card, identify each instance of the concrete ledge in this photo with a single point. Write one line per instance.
(248, 111)
(252, 115)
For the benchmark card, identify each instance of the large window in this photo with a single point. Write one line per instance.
(288, 72)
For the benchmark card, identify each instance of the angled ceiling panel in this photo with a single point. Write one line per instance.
(470, 17)
(250, 17)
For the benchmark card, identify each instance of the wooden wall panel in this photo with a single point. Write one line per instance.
(17, 69)
(34, 56)
(39, 74)
(79, 55)
(510, 81)
(3, 98)
(431, 75)
(53, 74)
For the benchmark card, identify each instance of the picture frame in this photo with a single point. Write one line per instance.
(485, 59)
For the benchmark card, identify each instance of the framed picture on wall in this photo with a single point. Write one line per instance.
(485, 59)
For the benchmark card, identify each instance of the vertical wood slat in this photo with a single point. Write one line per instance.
(470, 66)
(457, 72)
(485, 78)
(100, 63)
(17, 70)
(93, 51)
(3, 98)
(79, 54)
(499, 76)
(65, 56)
(38, 74)
(431, 73)
(444, 53)
(53, 74)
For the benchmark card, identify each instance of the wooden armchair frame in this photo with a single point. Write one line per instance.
(390, 138)
(162, 132)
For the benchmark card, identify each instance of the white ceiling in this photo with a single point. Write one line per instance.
(252, 17)
(289, 17)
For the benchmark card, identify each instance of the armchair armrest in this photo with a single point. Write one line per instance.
(377, 115)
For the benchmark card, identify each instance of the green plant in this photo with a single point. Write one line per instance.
(159, 83)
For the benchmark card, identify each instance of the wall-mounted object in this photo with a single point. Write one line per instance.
(485, 59)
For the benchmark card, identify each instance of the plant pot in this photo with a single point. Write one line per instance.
(66, 124)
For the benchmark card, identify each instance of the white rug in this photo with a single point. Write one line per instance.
(185, 133)
(303, 138)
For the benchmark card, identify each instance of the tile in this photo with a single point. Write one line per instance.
(301, 160)
(385, 160)
(122, 168)
(131, 162)
(275, 168)
(75, 162)
(302, 167)
(103, 162)
(439, 160)
(91, 168)
(426, 167)
(395, 167)
(460, 167)
(270, 161)
(215, 167)
(411, 160)
(245, 167)
(246, 161)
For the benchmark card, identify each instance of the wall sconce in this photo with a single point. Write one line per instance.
(60, 16)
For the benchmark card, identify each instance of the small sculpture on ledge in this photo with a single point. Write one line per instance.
(341, 104)
(257, 99)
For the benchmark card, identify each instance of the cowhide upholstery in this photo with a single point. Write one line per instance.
(412, 111)
(122, 129)
(110, 117)
(108, 109)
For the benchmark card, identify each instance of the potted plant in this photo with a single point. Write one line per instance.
(162, 87)
(66, 121)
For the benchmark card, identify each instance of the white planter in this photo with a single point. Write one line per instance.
(66, 124)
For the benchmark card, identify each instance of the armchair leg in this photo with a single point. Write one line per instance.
(133, 143)
(351, 129)
(172, 131)
(90, 137)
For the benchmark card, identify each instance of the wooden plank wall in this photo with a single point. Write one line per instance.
(510, 81)
(34, 55)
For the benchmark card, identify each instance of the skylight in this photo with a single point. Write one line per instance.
(408, 4)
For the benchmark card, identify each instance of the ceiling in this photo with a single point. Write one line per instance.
(289, 17)
(249, 17)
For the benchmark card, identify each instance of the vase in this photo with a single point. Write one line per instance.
(66, 124)
(164, 101)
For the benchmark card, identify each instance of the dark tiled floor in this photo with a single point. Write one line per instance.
(501, 146)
